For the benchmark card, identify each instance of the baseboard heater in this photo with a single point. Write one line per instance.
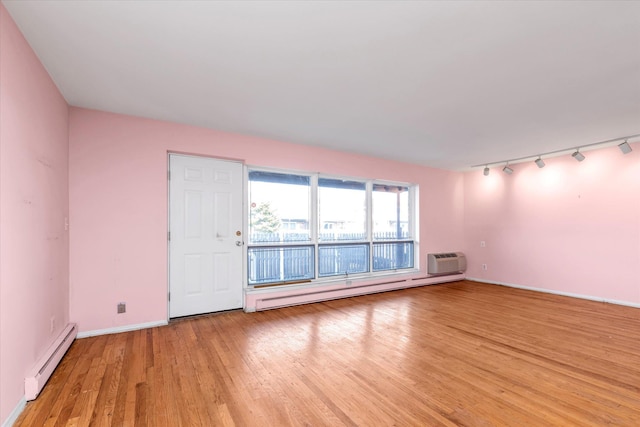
(446, 263)
(346, 292)
(41, 372)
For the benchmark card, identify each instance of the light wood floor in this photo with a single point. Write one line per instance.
(456, 354)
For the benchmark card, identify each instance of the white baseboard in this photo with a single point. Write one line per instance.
(551, 291)
(13, 416)
(119, 329)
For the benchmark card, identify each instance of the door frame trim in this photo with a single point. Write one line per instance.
(168, 224)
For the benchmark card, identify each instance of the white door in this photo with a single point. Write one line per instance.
(205, 240)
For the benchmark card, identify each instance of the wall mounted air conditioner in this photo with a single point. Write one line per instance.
(446, 263)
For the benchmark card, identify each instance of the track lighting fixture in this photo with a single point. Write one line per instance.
(575, 153)
(625, 147)
(578, 156)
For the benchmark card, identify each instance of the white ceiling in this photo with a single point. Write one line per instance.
(443, 84)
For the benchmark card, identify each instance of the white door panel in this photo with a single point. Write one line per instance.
(205, 260)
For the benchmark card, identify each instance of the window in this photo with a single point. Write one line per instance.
(342, 210)
(390, 212)
(335, 260)
(392, 247)
(280, 264)
(279, 207)
(279, 232)
(306, 227)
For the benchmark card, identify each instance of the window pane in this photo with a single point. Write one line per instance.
(340, 259)
(390, 212)
(278, 264)
(342, 210)
(392, 256)
(279, 206)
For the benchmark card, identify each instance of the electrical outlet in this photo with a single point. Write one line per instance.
(52, 326)
(484, 266)
(122, 307)
(482, 243)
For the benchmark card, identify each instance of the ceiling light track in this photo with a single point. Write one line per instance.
(623, 146)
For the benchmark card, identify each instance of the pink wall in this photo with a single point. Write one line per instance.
(118, 203)
(569, 227)
(34, 200)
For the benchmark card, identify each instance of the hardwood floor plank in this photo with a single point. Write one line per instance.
(56, 387)
(68, 400)
(462, 353)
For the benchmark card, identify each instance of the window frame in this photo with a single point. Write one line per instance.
(314, 224)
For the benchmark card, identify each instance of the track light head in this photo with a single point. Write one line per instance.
(540, 162)
(486, 171)
(578, 156)
(507, 170)
(625, 147)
